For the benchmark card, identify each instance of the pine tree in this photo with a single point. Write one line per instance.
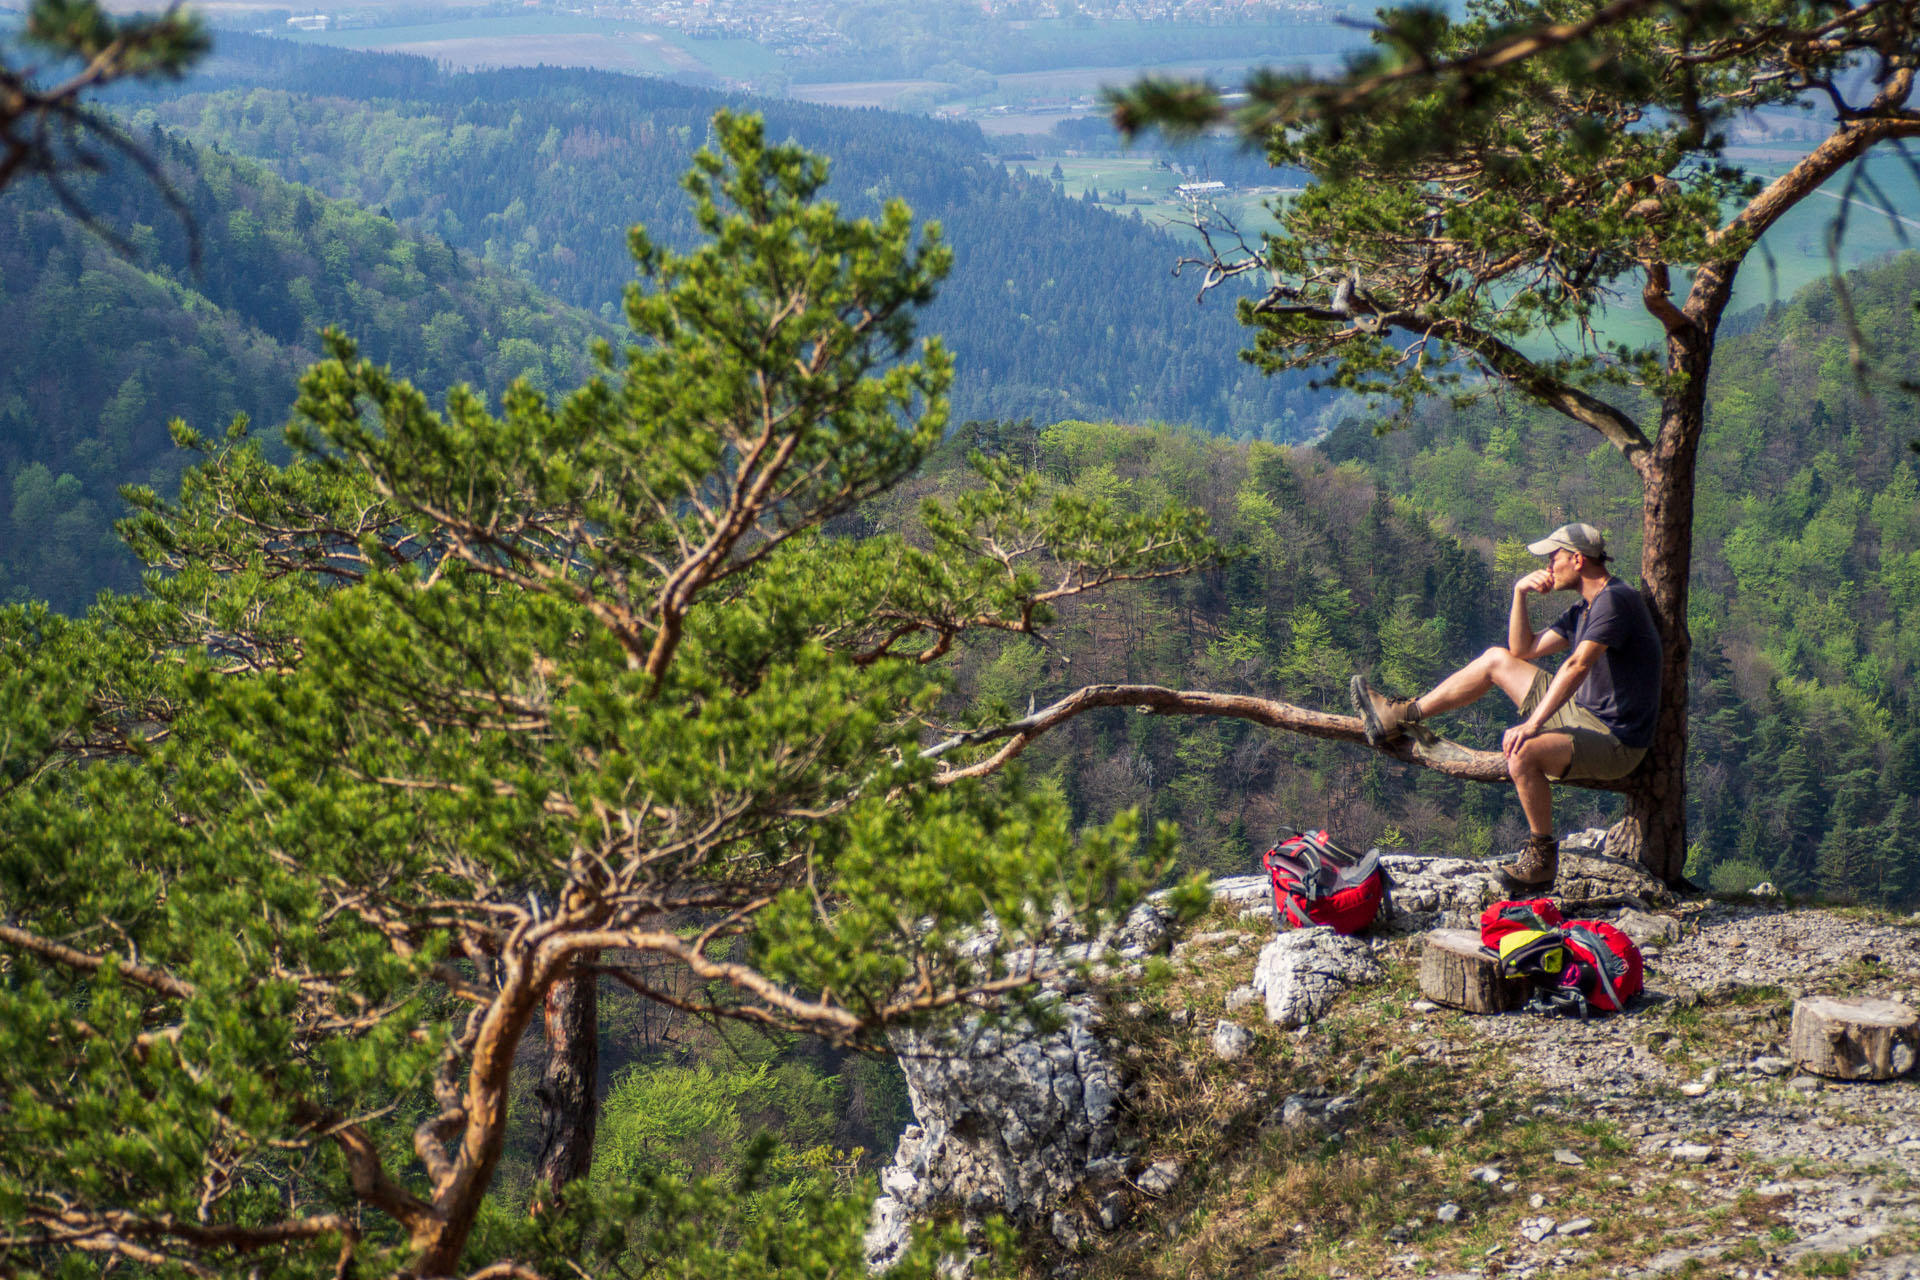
(1413, 651)
(1313, 666)
(462, 708)
(1846, 868)
(1897, 853)
(1482, 182)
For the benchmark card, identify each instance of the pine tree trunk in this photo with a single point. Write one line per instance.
(1655, 828)
(569, 1088)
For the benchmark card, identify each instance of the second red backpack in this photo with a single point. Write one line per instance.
(1580, 965)
(1603, 964)
(1315, 881)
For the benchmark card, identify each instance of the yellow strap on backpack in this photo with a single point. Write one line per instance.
(1532, 950)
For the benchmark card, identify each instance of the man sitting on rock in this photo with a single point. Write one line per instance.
(1593, 720)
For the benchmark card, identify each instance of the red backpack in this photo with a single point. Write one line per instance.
(1580, 965)
(1505, 918)
(1605, 965)
(1315, 881)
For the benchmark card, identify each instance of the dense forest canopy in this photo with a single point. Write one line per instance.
(453, 189)
(1054, 308)
(106, 348)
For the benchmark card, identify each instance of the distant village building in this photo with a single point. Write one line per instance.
(1199, 190)
(309, 22)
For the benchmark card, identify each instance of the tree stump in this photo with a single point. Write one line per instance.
(1455, 969)
(1860, 1039)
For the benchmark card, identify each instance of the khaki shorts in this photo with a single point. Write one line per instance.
(1598, 756)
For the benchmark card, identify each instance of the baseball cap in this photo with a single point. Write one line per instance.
(1583, 538)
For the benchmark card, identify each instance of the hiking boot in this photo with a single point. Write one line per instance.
(1384, 718)
(1533, 869)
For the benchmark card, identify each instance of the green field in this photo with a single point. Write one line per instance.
(1794, 253)
(1150, 189)
(526, 39)
(732, 59)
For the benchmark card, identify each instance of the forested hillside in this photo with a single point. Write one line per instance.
(1054, 308)
(1806, 752)
(1373, 553)
(1330, 575)
(102, 349)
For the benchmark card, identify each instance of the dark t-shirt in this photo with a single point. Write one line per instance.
(1623, 688)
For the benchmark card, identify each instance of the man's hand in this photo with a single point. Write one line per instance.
(1540, 581)
(1516, 737)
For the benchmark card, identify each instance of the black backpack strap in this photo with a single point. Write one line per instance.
(1560, 1000)
(1333, 854)
(1296, 911)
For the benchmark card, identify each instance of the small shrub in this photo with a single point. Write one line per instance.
(1735, 876)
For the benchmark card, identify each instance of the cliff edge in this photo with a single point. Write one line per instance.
(1218, 1101)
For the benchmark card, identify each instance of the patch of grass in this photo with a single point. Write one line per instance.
(1261, 1198)
(1829, 1264)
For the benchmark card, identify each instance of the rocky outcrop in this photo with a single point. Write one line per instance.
(1302, 973)
(1009, 1123)
(1005, 1124)
(1027, 1125)
(1020, 1124)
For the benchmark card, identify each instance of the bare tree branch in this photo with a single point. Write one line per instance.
(155, 980)
(1442, 755)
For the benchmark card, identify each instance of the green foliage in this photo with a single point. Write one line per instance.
(1323, 577)
(699, 1121)
(1412, 647)
(1735, 876)
(757, 1225)
(106, 351)
(460, 698)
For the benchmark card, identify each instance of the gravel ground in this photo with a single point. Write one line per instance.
(1815, 1167)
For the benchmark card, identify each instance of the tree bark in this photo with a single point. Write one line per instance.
(1859, 1039)
(1456, 970)
(1655, 828)
(569, 1088)
(1656, 819)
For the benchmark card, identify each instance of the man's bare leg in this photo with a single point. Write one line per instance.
(1540, 759)
(1496, 668)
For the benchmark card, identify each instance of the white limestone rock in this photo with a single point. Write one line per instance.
(1005, 1124)
(1303, 972)
(1231, 1041)
(1437, 893)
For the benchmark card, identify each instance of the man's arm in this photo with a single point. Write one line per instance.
(1522, 643)
(1566, 682)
